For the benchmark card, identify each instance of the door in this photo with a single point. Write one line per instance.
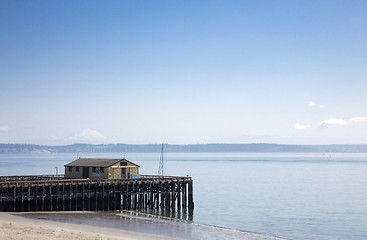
(123, 170)
(85, 172)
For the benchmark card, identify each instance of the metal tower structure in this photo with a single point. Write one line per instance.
(161, 164)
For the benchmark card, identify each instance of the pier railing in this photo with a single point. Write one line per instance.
(31, 178)
(158, 177)
(61, 177)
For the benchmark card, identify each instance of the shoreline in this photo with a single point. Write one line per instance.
(86, 225)
(16, 227)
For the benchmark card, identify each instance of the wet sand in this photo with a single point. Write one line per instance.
(110, 225)
(14, 226)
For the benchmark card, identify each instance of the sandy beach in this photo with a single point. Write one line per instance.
(13, 226)
(18, 226)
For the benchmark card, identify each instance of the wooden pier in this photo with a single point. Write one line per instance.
(171, 196)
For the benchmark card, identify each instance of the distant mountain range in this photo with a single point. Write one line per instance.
(124, 148)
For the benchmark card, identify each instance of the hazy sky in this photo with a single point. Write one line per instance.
(183, 71)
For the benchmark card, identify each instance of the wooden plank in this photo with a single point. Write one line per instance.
(123, 167)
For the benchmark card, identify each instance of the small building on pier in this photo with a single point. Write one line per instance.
(101, 168)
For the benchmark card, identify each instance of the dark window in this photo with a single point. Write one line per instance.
(93, 169)
(70, 169)
(77, 169)
(101, 170)
(85, 172)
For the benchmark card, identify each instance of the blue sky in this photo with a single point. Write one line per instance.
(183, 72)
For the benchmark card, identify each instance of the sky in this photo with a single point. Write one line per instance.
(183, 72)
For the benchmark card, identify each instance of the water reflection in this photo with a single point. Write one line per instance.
(160, 223)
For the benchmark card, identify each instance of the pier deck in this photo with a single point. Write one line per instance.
(55, 193)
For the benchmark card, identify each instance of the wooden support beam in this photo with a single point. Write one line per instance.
(103, 197)
(89, 197)
(15, 198)
(29, 197)
(173, 196)
(35, 197)
(191, 200)
(133, 195)
(63, 196)
(179, 192)
(96, 194)
(76, 196)
(21, 195)
(83, 198)
(43, 197)
(57, 195)
(114, 196)
(140, 194)
(50, 195)
(70, 192)
(108, 196)
(184, 195)
(147, 193)
(167, 195)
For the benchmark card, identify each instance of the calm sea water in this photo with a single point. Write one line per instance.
(289, 195)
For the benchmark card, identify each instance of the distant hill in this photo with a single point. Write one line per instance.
(124, 148)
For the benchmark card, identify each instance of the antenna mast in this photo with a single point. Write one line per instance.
(161, 164)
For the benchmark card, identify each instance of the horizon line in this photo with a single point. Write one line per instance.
(186, 144)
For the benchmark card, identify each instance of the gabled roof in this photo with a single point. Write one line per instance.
(96, 162)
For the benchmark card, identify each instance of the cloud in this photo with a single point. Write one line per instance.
(302, 126)
(332, 122)
(4, 128)
(88, 135)
(311, 104)
(338, 121)
(358, 119)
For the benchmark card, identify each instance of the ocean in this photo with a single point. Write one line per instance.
(299, 196)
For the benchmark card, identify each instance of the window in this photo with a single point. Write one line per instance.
(93, 169)
(101, 170)
(77, 169)
(70, 169)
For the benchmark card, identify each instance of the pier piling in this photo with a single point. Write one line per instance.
(171, 195)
